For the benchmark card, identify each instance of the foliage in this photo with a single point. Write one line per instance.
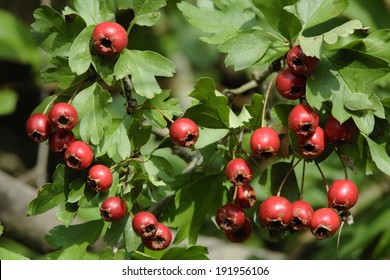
(252, 34)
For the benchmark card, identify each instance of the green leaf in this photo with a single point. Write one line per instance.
(52, 33)
(16, 42)
(223, 22)
(146, 12)
(9, 255)
(209, 136)
(80, 56)
(104, 66)
(312, 46)
(8, 101)
(314, 12)
(93, 11)
(159, 168)
(115, 143)
(379, 155)
(358, 101)
(74, 252)
(94, 117)
(76, 190)
(281, 20)
(245, 49)
(66, 212)
(190, 253)
(213, 110)
(144, 66)
(109, 254)
(62, 236)
(193, 202)
(255, 109)
(155, 109)
(51, 194)
(115, 231)
(131, 239)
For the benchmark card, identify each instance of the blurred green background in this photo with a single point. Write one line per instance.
(30, 165)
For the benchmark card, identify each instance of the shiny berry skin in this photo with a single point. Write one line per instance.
(342, 195)
(160, 240)
(144, 224)
(60, 140)
(303, 119)
(302, 213)
(230, 217)
(289, 85)
(99, 178)
(312, 145)
(299, 63)
(109, 38)
(264, 143)
(63, 116)
(241, 234)
(325, 223)
(339, 133)
(38, 127)
(184, 132)
(275, 213)
(113, 209)
(78, 155)
(245, 196)
(238, 171)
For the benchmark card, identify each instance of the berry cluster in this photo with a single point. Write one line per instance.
(154, 235)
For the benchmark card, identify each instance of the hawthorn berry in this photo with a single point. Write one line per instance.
(289, 85)
(160, 240)
(109, 38)
(303, 119)
(299, 63)
(60, 140)
(63, 116)
(343, 194)
(184, 132)
(99, 178)
(241, 234)
(245, 196)
(230, 217)
(312, 145)
(264, 142)
(113, 209)
(275, 213)
(144, 224)
(238, 171)
(302, 213)
(339, 133)
(38, 127)
(78, 155)
(324, 223)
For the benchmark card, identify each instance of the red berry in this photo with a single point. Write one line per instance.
(245, 196)
(99, 178)
(302, 213)
(312, 145)
(144, 224)
(264, 142)
(113, 209)
(238, 171)
(325, 223)
(289, 85)
(275, 213)
(339, 133)
(299, 63)
(230, 217)
(63, 116)
(241, 234)
(303, 119)
(60, 140)
(342, 195)
(109, 38)
(38, 127)
(184, 132)
(160, 240)
(78, 155)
